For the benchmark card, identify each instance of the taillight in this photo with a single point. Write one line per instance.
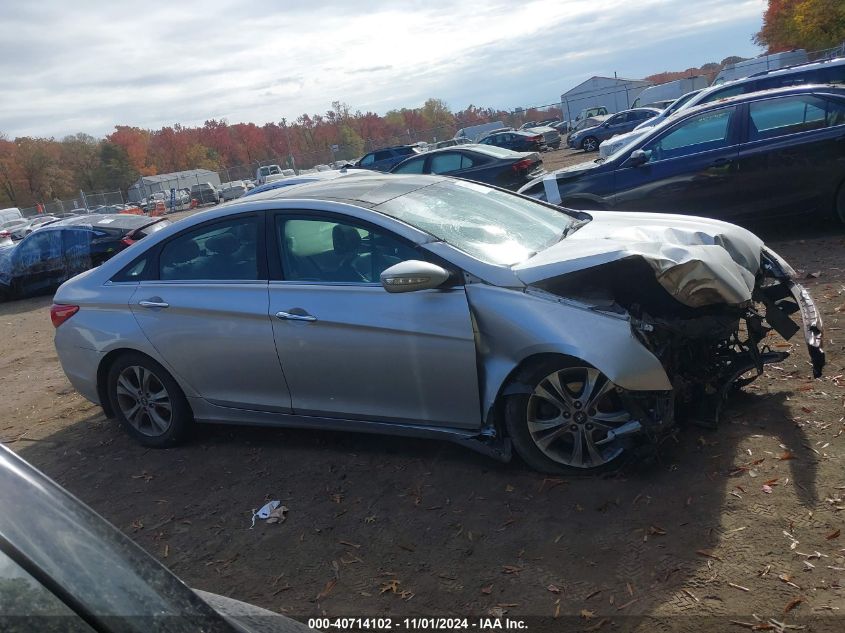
(127, 241)
(537, 139)
(519, 165)
(60, 313)
(5, 233)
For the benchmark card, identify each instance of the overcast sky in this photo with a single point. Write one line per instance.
(86, 66)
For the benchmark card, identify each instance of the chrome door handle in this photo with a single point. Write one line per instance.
(287, 316)
(153, 304)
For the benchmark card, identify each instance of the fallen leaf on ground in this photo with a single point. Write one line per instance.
(792, 604)
(771, 482)
(598, 625)
(656, 530)
(767, 489)
(833, 535)
(392, 586)
(786, 455)
(587, 615)
(487, 590)
(511, 569)
(553, 588)
(707, 553)
(327, 589)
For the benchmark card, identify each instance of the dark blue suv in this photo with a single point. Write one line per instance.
(385, 158)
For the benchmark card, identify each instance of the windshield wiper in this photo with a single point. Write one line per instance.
(569, 230)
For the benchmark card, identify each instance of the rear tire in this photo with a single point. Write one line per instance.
(590, 144)
(148, 402)
(561, 426)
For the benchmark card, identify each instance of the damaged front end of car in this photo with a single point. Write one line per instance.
(710, 326)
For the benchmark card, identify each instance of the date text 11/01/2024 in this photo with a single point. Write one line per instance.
(411, 624)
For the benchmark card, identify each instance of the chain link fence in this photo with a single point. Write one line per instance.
(86, 202)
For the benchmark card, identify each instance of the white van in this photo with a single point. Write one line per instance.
(10, 213)
(670, 90)
(475, 132)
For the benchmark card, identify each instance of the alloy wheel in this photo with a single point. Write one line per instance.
(144, 401)
(590, 144)
(572, 414)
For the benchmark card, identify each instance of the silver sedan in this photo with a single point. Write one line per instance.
(430, 307)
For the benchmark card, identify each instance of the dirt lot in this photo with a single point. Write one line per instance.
(408, 527)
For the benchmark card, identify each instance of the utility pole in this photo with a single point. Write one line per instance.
(287, 140)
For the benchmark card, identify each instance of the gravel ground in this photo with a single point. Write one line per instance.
(381, 525)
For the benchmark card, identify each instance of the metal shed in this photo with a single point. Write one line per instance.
(148, 185)
(614, 93)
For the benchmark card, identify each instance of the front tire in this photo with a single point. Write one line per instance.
(148, 402)
(590, 144)
(563, 425)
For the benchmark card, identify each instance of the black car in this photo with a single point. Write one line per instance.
(517, 140)
(49, 256)
(762, 154)
(482, 163)
(203, 193)
(64, 568)
(385, 158)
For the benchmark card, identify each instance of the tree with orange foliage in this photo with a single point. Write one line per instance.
(809, 24)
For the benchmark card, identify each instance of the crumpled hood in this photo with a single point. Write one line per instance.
(697, 260)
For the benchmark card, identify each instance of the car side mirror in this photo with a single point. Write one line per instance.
(638, 157)
(412, 275)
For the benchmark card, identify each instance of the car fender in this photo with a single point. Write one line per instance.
(514, 325)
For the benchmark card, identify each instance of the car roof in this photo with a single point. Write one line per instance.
(795, 68)
(362, 191)
(487, 150)
(106, 221)
(834, 89)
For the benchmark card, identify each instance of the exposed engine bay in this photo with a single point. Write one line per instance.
(710, 347)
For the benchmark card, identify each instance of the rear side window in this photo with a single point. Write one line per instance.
(790, 115)
(411, 167)
(221, 251)
(444, 163)
(383, 155)
(404, 151)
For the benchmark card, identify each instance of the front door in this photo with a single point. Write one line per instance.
(205, 312)
(691, 169)
(352, 350)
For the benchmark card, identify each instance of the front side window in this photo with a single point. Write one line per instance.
(791, 115)
(330, 251)
(701, 133)
(221, 251)
(37, 249)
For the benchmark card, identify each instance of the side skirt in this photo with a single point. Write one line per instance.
(479, 441)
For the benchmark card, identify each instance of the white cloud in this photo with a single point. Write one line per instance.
(86, 66)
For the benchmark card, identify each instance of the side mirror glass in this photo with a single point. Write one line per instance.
(638, 157)
(412, 275)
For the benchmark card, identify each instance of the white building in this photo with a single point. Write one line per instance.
(615, 94)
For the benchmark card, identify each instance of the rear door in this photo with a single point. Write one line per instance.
(204, 308)
(791, 160)
(352, 350)
(38, 262)
(690, 168)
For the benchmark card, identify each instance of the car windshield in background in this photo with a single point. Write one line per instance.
(498, 152)
(492, 226)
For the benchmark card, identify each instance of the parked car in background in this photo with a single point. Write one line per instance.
(589, 138)
(475, 132)
(613, 144)
(481, 163)
(232, 190)
(385, 158)
(516, 140)
(290, 181)
(450, 143)
(829, 71)
(562, 127)
(59, 250)
(544, 123)
(426, 306)
(10, 213)
(205, 193)
(20, 232)
(551, 137)
(267, 173)
(760, 155)
(588, 122)
(46, 584)
(587, 113)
